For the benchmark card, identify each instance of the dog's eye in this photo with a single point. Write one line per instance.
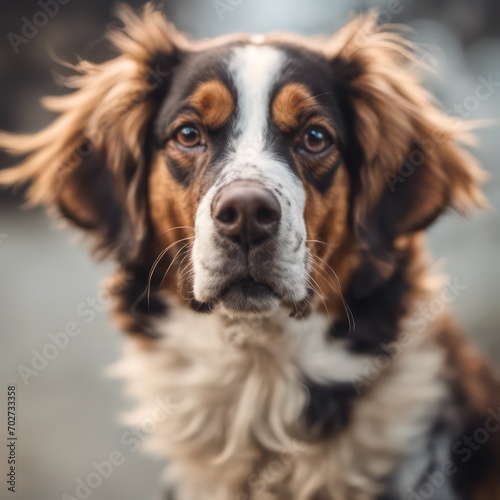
(188, 136)
(316, 140)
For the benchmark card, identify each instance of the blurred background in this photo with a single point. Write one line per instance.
(68, 413)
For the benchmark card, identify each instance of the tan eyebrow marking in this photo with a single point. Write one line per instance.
(290, 103)
(214, 102)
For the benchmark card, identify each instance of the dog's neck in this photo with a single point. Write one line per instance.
(240, 388)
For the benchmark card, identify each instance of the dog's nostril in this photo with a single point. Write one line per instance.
(228, 216)
(265, 215)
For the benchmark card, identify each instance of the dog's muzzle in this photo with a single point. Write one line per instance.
(249, 255)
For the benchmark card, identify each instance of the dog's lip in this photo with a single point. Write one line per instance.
(248, 295)
(250, 286)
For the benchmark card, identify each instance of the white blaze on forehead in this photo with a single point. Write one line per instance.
(257, 39)
(254, 70)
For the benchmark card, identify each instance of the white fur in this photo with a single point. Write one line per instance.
(254, 70)
(237, 392)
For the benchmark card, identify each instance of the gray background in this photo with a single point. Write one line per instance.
(68, 414)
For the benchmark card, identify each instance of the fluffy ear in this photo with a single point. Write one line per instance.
(90, 163)
(405, 156)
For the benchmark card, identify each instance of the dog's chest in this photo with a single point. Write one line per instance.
(237, 393)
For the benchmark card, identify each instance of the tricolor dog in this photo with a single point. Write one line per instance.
(272, 274)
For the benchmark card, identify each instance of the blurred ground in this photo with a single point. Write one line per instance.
(68, 413)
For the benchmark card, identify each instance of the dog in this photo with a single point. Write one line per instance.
(271, 274)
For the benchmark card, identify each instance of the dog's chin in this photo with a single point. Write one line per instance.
(243, 298)
(249, 298)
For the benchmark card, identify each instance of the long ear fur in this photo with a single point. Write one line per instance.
(408, 164)
(90, 162)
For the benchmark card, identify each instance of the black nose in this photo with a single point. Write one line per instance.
(246, 211)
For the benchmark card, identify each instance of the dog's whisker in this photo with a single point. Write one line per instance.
(172, 263)
(320, 295)
(174, 228)
(157, 261)
(323, 273)
(185, 270)
(327, 279)
(349, 312)
(323, 243)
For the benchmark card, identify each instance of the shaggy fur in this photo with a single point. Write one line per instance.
(338, 379)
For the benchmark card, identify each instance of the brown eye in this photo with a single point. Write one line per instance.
(316, 140)
(188, 136)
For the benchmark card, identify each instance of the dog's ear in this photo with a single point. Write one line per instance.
(90, 163)
(405, 156)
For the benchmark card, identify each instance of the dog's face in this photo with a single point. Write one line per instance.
(252, 134)
(250, 167)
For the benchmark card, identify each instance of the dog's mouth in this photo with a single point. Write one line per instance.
(249, 296)
(257, 287)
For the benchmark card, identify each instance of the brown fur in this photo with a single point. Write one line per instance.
(214, 103)
(292, 101)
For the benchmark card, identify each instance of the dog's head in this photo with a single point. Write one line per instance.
(249, 163)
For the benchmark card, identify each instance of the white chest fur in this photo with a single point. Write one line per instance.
(236, 394)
